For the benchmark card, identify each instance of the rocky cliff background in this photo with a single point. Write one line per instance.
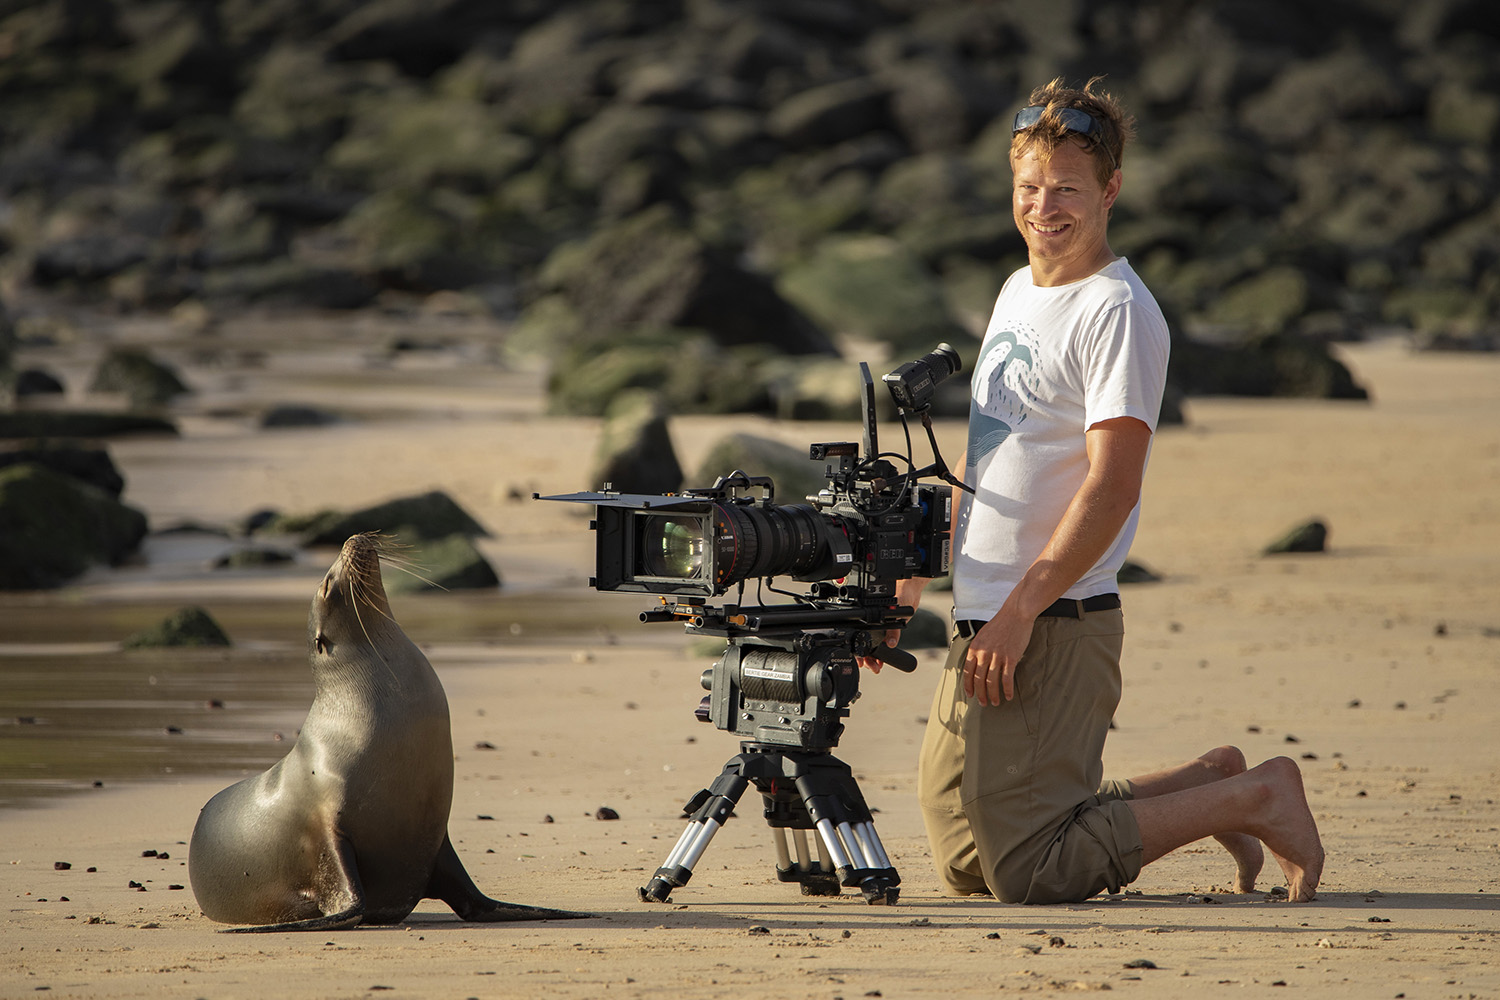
(680, 193)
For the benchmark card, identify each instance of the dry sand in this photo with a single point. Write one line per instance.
(1375, 664)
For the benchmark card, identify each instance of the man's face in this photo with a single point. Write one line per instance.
(1063, 213)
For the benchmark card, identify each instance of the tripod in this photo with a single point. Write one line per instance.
(803, 790)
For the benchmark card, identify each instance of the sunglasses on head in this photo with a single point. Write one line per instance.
(1072, 119)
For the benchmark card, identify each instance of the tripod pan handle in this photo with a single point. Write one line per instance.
(898, 658)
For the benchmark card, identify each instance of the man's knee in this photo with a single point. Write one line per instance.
(1023, 882)
(1094, 850)
(1226, 759)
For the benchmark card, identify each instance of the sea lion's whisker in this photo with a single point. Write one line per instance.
(407, 569)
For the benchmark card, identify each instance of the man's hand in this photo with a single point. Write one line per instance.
(990, 667)
(908, 592)
(1117, 459)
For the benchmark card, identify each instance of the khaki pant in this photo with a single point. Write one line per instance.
(1012, 793)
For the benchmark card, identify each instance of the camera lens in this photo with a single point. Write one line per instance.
(770, 541)
(672, 546)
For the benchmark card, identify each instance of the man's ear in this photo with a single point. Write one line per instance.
(1112, 188)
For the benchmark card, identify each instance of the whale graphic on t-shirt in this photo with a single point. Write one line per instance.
(987, 431)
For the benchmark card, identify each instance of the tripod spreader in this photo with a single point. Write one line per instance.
(804, 791)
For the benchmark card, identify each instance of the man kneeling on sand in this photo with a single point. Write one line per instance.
(1066, 394)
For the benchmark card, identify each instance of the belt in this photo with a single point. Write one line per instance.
(1063, 607)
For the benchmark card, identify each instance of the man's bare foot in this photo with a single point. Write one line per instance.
(1288, 829)
(1243, 848)
(1248, 858)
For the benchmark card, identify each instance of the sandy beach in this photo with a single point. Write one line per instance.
(1375, 664)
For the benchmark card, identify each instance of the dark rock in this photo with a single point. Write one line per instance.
(145, 382)
(1359, 84)
(872, 287)
(1309, 537)
(190, 626)
(623, 135)
(91, 465)
(690, 371)
(313, 524)
(296, 415)
(831, 113)
(288, 281)
(85, 259)
(34, 382)
(53, 527)
(448, 563)
(426, 517)
(1133, 572)
(259, 519)
(650, 271)
(1281, 364)
(79, 424)
(254, 556)
(635, 453)
(939, 103)
(1172, 400)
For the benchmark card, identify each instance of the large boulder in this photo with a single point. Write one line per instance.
(442, 564)
(796, 475)
(873, 288)
(1278, 364)
(90, 465)
(831, 113)
(649, 270)
(79, 424)
(190, 626)
(144, 381)
(53, 527)
(635, 453)
(425, 517)
(690, 372)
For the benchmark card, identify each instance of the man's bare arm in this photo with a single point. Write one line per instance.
(1117, 462)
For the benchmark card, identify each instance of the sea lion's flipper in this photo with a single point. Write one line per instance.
(451, 883)
(338, 885)
(331, 922)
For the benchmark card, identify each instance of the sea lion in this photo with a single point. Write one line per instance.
(351, 826)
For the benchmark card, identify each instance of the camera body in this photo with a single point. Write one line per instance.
(864, 537)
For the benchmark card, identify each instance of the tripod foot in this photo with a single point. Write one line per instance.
(880, 893)
(656, 891)
(813, 885)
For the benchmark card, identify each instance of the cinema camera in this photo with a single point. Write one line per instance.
(789, 672)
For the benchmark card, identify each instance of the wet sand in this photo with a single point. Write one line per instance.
(1373, 664)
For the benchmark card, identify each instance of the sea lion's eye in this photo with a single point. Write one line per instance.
(320, 643)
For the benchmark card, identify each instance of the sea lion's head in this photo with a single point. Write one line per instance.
(350, 605)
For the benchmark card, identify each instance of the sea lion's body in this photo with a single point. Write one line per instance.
(351, 826)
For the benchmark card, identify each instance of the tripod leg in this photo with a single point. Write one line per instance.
(713, 808)
(847, 830)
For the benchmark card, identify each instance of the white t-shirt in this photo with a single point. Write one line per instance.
(1054, 362)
